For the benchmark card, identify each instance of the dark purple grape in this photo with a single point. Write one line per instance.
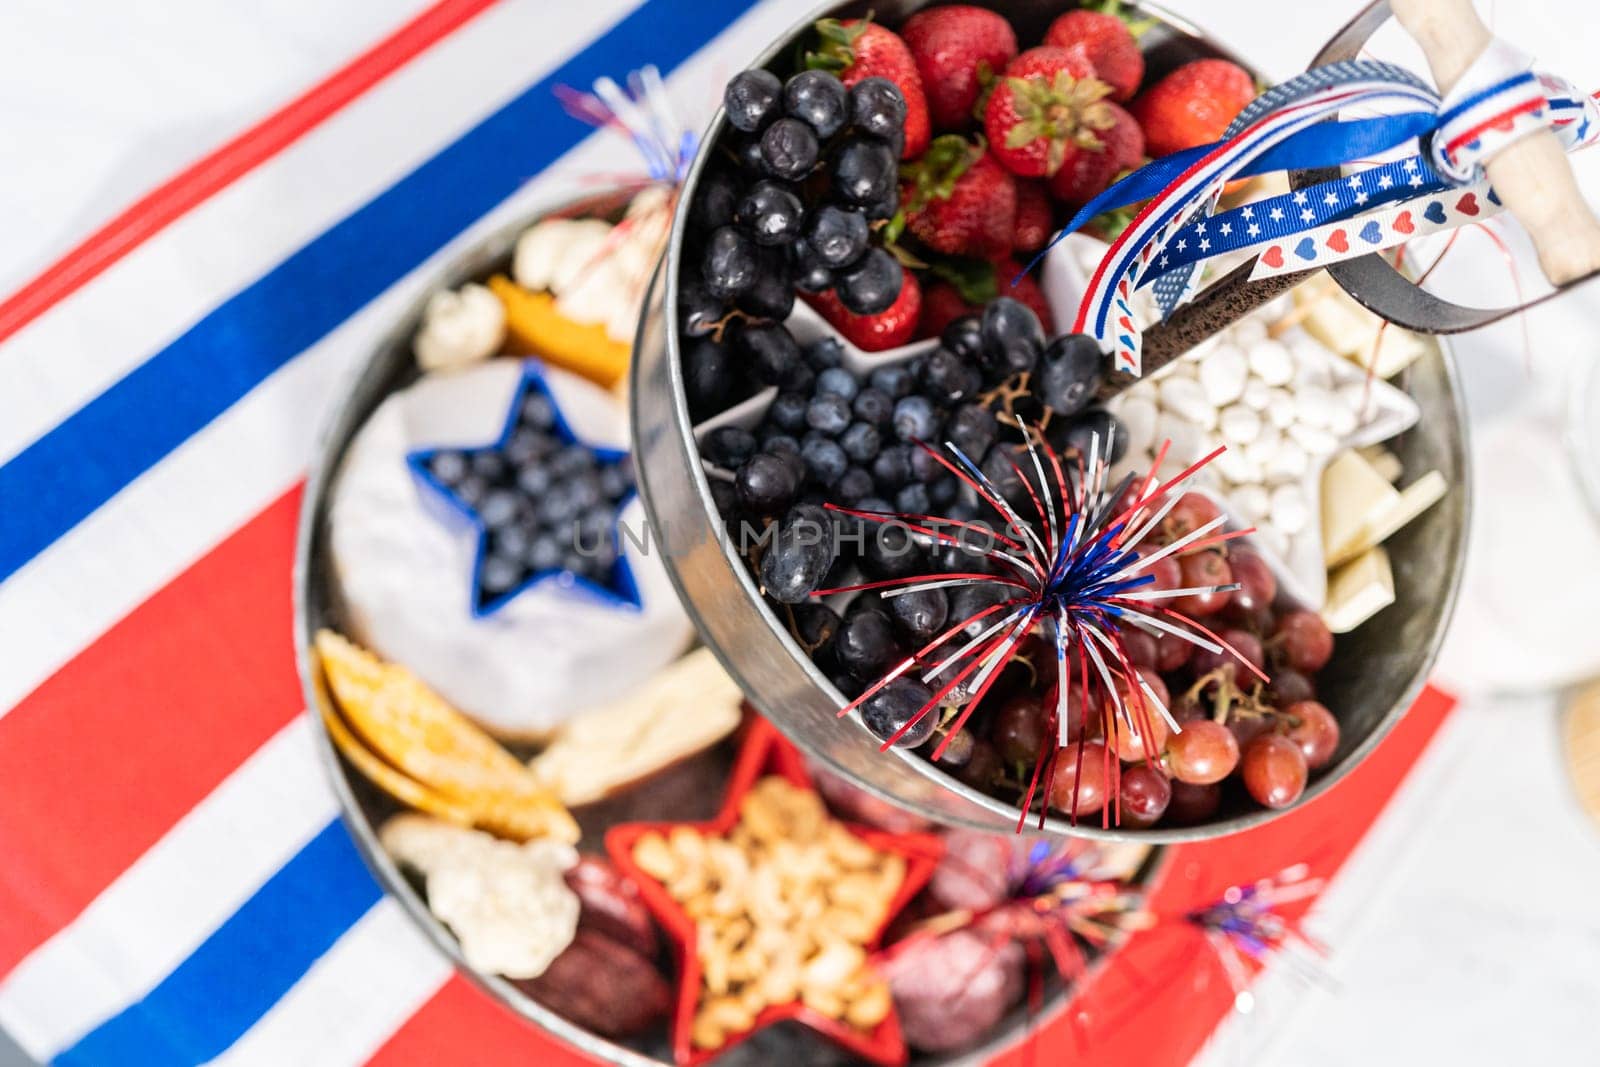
(865, 171)
(983, 767)
(770, 349)
(949, 379)
(973, 429)
(815, 624)
(878, 107)
(837, 236)
(715, 200)
(767, 483)
(871, 285)
(889, 709)
(810, 273)
(921, 614)
(1012, 336)
(752, 99)
(865, 644)
(1080, 431)
(776, 441)
(1073, 371)
(789, 149)
(730, 263)
(699, 311)
(824, 354)
(772, 295)
(890, 551)
(770, 213)
(799, 557)
(964, 337)
(819, 99)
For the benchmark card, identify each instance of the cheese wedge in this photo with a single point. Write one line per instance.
(1359, 590)
(1336, 320)
(1361, 509)
(1383, 461)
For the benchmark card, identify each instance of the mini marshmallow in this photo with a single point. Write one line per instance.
(1290, 512)
(1139, 415)
(1271, 362)
(1223, 374)
(1264, 447)
(1315, 405)
(1314, 439)
(1257, 394)
(1288, 463)
(1341, 421)
(1239, 424)
(1184, 397)
(1253, 502)
(1184, 435)
(1235, 466)
(1280, 408)
(1247, 333)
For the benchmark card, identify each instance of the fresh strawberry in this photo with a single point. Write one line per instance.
(1035, 217)
(1048, 102)
(1193, 105)
(942, 304)
(1108, 43)
(959, 50)
(1026, 290)
(1087, 171)
(856, 49)
(890, 328)
(958, 200)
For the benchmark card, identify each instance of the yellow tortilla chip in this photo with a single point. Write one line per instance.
(410, 793)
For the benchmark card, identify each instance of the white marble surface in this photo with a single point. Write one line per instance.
(1464, 930)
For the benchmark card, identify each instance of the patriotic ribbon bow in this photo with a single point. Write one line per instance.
(1295, 126)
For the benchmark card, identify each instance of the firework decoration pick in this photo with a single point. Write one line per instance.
(1073, 574)
(1246, 929)
(645, 113)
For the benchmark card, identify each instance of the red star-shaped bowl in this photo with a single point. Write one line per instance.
(765, 752)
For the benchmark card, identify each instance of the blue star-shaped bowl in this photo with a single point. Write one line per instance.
(619, 590)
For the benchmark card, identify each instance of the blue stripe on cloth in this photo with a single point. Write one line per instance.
(243, 968)
(58, 480)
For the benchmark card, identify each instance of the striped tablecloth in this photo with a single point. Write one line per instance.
(175, 885)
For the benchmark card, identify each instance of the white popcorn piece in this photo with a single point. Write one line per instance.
(1271, 362)
(1291, 513)
(1184, 397)
(1341, 421)
(1239, 424)
(550, 254)
(460, 327)
(1223, 374)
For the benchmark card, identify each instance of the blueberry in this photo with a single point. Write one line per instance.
(730, 446)
(490, 466)
(705, 376)
(825, 461)
(527, 446)
(788, 411)
(854, 485)
(789, 149)
(1012, 335)
(533, 480)
(925, 465)
(448, 467)
(752, 98)
(1073, 371)
(770, 349)
(470, 489)
(871, 285)
(800, 554)
(915, 419)
(824, 353)
(885, 206)
(964, 337)
(499, 574)
(864, 644)
(865, 171)
(972, 428)
(892, 468)
(615, 483)
(861, 442)
(537, 411)
(777, 442)
(839, 382)
(810, 274)
(715, 200)
(747, 154)
(920, 615)
(913, 500)
(499, 508)
(818, 99)
(800, 379)
(894, 381)
(873, 405)
(558, 505)
(878, 107)
(571, 461)
(772, 295)
(730, 263)
(942, 493)
(837, 235)
(770, 213)
(725, 497)
(545, 553)
(828, 413)
(874, 503)
(949, 379)
(767, 483)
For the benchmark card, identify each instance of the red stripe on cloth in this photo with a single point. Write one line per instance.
(101, 760)
(152, 213)
(1160, 997)
(463, 1024)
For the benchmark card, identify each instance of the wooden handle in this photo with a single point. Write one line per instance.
(1532, 175)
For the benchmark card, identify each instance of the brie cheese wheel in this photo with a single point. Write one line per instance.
(404, 566)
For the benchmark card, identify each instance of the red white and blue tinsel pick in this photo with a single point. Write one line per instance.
(1297, 126)
(645, 113)
(1247, 929)
(1071, 573)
